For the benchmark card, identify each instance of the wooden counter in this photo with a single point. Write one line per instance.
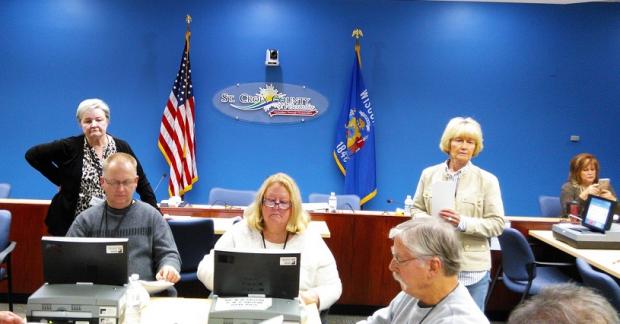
(359, 242)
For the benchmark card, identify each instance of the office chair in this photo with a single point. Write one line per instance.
(230, 197)
(601, 282)
(550, 206)
(5, 189)
(5, 254)
(344, 202)
(194, 238)
(520, 272)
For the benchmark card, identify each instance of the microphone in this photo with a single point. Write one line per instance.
(225, 203)
(390, 201)
(163, 176)
(350, 207)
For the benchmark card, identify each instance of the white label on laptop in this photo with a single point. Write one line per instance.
(107, 311)
(104, 320)
(288, 261)
(242, 303)
(113, 249)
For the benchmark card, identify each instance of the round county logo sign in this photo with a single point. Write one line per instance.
(261, 102)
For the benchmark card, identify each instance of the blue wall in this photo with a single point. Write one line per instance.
(532, 75)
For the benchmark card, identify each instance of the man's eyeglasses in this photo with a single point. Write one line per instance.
(116, 184)
(400, 262)
(273, 203)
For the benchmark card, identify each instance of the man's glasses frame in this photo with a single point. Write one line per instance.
(116, 183)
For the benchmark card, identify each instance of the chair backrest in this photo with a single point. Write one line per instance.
(344, 202)
(517, 255)
(550, 206)
(603, 283)
(5, 190)
(231, 197)
(194, 238)
(5, 228)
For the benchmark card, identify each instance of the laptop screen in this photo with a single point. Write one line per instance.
(268, 273)
(70, 260)
(598, 213)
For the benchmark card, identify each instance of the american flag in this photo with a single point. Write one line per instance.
(176, 134)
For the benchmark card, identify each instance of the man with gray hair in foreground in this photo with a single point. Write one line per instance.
(426, 256)
(565, 303)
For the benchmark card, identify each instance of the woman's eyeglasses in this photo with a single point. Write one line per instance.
(273, 203)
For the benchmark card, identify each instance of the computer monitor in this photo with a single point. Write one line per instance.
(84, 259)
(598, 213)
(261, 272)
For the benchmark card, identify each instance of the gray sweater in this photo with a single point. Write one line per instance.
(150, 245)
(457, 307)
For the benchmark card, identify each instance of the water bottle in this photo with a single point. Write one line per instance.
(408, 205)
(136, 297)
(332, 202)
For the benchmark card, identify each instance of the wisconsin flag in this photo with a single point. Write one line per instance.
(354, 150)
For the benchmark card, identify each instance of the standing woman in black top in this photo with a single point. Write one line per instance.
(74, 164)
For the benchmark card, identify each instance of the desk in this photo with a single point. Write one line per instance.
(606, 260)
(358, 240)
(166, 310)
(221, 225)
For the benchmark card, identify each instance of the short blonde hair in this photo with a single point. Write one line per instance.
(89, 104)
(299, 219)
(120, 157)
(462, 127)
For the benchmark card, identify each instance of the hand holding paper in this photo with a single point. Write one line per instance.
(443, 196)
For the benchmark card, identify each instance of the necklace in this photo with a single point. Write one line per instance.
(439, 302)
(105, 217)
(265, 245)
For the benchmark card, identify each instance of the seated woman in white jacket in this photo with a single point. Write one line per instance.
(276, 220)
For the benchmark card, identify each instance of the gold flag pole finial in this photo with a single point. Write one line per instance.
(357, 34)
(188, 19)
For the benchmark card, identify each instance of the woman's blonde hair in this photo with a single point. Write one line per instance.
(462, 127)
(299, 219)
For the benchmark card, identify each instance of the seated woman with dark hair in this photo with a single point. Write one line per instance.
(583, 180)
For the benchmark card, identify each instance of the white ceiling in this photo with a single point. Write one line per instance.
(535, 1)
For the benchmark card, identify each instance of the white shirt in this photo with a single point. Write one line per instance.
(318, 267)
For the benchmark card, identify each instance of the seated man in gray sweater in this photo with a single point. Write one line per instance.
(425, 261)
(152, 251)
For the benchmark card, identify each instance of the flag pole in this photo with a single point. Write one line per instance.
(188, 20)
(357, 34)
(188, 33)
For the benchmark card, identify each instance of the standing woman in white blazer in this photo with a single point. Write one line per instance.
(478, 213)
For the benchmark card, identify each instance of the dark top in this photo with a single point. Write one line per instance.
(571, 192)
(61, 162)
